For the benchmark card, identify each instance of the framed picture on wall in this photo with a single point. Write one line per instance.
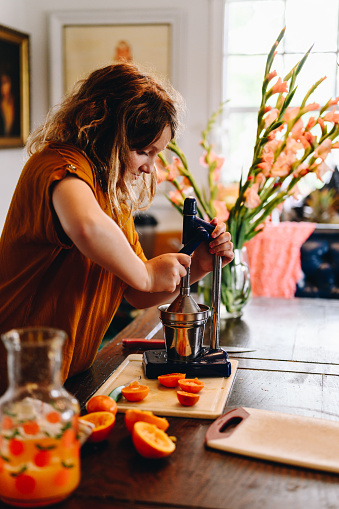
(88, 47)
(81, 42)
(14, 88)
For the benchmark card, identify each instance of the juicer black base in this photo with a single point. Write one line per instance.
(155, 363)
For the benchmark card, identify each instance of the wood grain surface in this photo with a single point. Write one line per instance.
(294, 369)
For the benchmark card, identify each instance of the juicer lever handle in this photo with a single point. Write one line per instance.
(200, 235)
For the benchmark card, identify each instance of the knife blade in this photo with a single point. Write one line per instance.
(153, 344)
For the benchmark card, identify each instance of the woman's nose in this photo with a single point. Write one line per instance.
(149, 166)
(146, 168)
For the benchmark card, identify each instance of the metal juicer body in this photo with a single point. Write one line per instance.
(184, 320)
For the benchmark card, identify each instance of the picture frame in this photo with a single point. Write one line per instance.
(75, 38)
(14, 88)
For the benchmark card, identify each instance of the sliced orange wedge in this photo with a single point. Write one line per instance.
(171, 380)
(187, 398)
(134, 415)
(191, 385)
(150, 441)
(103, 425)
(135, 391)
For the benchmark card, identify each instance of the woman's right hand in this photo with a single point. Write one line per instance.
(165, 271)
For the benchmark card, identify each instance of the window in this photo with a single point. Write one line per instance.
(251, 27)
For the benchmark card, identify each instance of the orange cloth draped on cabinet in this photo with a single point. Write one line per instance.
(44, 279)
(274, 258)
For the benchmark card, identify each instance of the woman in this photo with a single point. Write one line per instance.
(69, 251)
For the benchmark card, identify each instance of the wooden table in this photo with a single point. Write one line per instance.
(294, 369)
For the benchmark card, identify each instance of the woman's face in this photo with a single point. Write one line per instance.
(143, 161)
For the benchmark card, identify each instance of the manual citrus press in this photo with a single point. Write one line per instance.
(184, 320)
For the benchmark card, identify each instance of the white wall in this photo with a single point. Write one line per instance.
(198, 72)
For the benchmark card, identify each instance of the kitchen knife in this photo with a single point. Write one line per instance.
(153, 344)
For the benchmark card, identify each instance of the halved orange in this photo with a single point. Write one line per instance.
(134, 415)
(150, 441)
(103, 425)
(171, 379)
(187, 398)
(135, 391)
(102, 403)
(191, 385)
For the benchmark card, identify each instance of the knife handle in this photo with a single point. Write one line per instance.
(146, 344)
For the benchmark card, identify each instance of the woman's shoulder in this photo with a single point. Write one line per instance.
(66, 153)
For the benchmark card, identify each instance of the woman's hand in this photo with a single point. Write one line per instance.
(165, 271)
(202, 259)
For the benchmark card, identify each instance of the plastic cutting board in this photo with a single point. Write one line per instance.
(285, 438)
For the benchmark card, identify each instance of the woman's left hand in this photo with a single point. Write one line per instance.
(221, 245)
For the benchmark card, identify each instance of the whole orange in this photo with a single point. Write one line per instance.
(101, 403)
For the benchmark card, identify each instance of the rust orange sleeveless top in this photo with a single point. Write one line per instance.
(44, 279)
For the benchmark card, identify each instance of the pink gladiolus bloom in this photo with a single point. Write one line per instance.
(292, 147)
(298, 126)
(252, 199)
(335, 145)
(267, 108)
(260, 179)
(221, 210)
(301, 170)
(321, 169)
(280, 87)
(185, 183)
(332, 116)
(161, 174)
(304, 141)
(309, 137)
(268, 154)
(321, 123)
(174, 169)
(213, 157)
(312, 107)
(271, 75)
(266, 168)
(311, 123)
(217, 174)
(271, 117)
(324, 149)
(176, 198)
(333, 102)
(202, 159)
(282, 166)
(291, 113)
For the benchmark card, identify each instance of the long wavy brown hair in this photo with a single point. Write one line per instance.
(116, 109)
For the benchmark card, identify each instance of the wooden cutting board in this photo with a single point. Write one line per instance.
(163, 400)
(285, 438)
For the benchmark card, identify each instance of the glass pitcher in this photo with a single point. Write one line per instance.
(39, 446)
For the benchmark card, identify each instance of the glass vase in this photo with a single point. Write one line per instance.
(235, 286)
(39, 446)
